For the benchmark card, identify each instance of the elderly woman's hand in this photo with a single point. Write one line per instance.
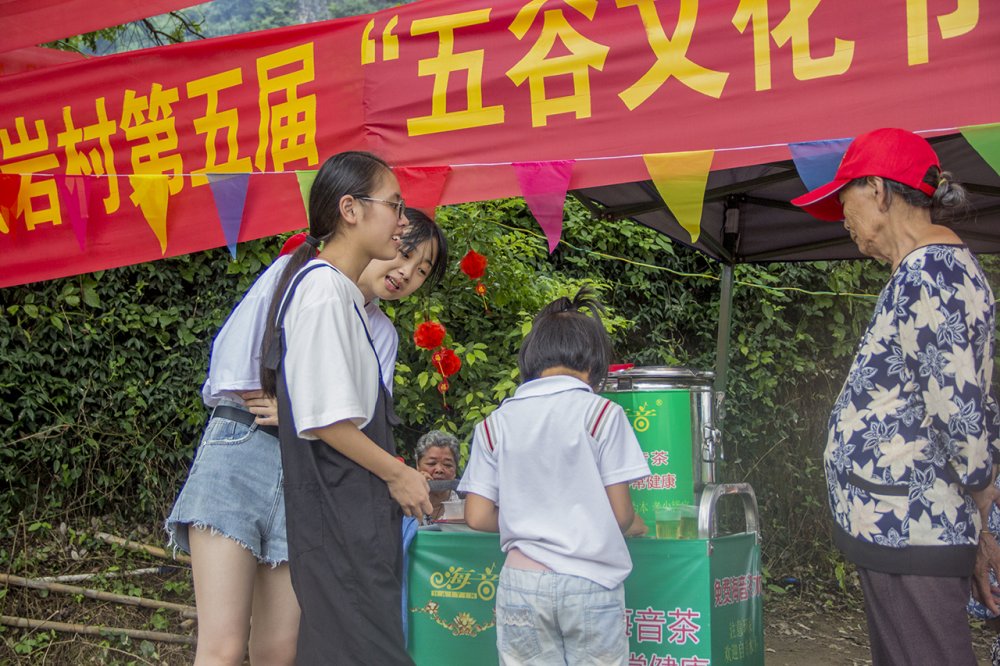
(987, 560)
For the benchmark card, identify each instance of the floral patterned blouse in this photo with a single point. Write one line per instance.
(916, 425)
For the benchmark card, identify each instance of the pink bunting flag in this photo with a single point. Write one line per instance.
(150, 193)
(230, 193)
(422, 186)
(74, 199)
(680, 178)
(544, 186)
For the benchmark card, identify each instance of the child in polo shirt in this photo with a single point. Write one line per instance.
(550, 470)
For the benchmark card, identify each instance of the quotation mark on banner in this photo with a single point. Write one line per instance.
(390, 42)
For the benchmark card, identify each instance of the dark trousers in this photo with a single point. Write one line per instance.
(915, 620)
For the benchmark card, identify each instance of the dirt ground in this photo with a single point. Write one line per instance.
(797, 632)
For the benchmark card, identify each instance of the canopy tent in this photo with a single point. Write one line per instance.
(747, 217)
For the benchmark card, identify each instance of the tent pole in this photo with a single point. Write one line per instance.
(722, 338)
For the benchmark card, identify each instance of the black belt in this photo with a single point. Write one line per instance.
(244, 417)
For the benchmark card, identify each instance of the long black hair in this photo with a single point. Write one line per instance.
(563, 335)
(420, 229)
(351, 172)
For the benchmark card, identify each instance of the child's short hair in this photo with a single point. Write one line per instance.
(563, 335)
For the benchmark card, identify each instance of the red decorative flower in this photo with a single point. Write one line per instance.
(442, 387)
(480, 289)
(473, 264)
(447, 362)
(429, 335)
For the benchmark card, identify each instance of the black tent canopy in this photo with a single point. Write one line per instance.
(747, 217)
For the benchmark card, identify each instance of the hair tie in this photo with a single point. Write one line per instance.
(312, 241)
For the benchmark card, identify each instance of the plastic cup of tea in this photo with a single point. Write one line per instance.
(677, 522)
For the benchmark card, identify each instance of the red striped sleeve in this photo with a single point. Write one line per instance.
(600, 415)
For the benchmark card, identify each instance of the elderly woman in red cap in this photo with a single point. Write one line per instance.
(913, 435)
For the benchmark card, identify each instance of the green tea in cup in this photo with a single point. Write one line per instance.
(677, 522)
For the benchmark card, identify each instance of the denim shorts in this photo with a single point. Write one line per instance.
(550, 618)
(234, 489)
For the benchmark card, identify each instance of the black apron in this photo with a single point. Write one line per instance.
(344, 535)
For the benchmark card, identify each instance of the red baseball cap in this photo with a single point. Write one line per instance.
(891, 153)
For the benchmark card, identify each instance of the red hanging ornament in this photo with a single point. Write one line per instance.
(473, 265)
(429, 335)
(447, 362)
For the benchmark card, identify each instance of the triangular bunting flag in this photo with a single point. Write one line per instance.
(985, 139)
(305, 179)
(680, 178)
(230, 193)
(150, 194)
(422, 186)
(74, 198)
(10, 187)
(544, 185)
(817, 161)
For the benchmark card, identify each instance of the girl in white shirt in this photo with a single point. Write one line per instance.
(345, 490)
(233, 495)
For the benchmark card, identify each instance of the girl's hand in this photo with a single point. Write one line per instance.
(264, 407)
(638, 527)
(410, 489)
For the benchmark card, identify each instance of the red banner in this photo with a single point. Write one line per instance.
(472, 85)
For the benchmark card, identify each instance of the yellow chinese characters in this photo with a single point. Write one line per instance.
(538, 64)
(150, 126)
(442, 66)
(215, 121)
(671, 55)
(794, 28)
(99, 160)
(962, 20)
(26, 154)
(288, 127)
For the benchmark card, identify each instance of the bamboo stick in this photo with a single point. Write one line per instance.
(141, 547)
(184, 610)
(77, 578)
(91, 630)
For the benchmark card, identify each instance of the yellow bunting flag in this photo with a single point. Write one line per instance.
(680, 178)
(150, 195)
(305, 179)
(985, 139)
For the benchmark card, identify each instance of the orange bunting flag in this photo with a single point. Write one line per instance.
(306, 180)
(74, 199)
(150, 194)
(985, 139)
(680, 178)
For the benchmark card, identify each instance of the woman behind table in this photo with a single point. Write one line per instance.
(343, 486)
(437, 459)
(911, 435)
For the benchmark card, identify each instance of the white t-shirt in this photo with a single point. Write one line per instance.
(386, 339)
(329, 365)
(545, 457)
(234, 365)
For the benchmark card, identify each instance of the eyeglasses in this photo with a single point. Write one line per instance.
(400, 205)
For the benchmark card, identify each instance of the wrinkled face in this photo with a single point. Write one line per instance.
(400, 276)
(863, 219)
(378, 222)
(439, 462)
